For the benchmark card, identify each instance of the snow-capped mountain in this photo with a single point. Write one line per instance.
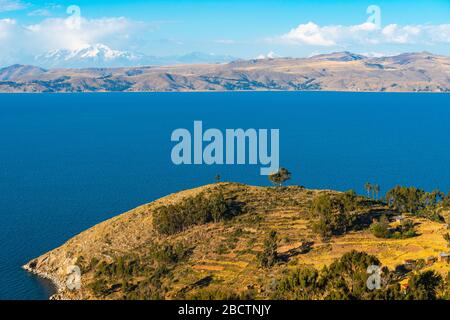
(102, 56)
(97, 55)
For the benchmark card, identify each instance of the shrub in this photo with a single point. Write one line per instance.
(300, 284)
(333, 213)
(168, 253)
(446, 201)
(198, 210)
(345, 279)
(424, 286)
(380, 229)
(98, 287)
(268, 257)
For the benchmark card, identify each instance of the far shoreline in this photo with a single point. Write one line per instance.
(224, 91)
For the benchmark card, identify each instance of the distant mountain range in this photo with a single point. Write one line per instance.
(102, 56)
(342, 71)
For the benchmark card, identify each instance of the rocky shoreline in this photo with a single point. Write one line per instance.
(54, 280)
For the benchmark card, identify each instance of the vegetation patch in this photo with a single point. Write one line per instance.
(197, 210)
(418, 202)
(382, 229)
(346, 279)
(334, 214)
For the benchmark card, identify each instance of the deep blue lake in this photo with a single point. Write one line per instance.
(69, 161)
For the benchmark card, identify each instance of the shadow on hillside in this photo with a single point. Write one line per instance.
(303, 249)
(364, 221)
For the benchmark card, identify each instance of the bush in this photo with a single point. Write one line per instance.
(380, 229)
(345, 279)
(198, 210)
(446, 201)
(300, 284)
(333, 213)
(168, 253)
(98, 287)
(268, 257)
(424, 286)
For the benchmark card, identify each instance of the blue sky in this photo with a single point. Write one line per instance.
(245, 29)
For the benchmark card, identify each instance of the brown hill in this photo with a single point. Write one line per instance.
(343, 71)
(126, 256)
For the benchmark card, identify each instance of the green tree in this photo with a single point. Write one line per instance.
(322, 207)
(368, 188)
(268, 257)
(380, 229)
(218, 207)
(281, 176)
(447, 238)
(376, 190)
(198, 210)
(333, 213)
(346, 278)
(416, 201)
(423, 286)
(299, 284)
(446, 201)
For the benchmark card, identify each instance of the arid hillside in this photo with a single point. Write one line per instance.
(229, 240)
(343, 71)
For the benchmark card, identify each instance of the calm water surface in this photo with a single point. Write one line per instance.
(69, 161)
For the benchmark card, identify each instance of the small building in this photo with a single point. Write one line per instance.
(409, 264)
(399, 219)
(444, 257)
(431, 260)
(404, 285)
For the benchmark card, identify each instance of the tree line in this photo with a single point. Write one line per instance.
(198, 210)
(417, 201)
(346, 279)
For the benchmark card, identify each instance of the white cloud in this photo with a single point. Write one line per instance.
(310, 34)
(7, 27)
(40, 13)
(10, 5)
(21, 43)
(377, 54)
(270, 55)
(58, 33)
(416, 34)
(365, 34)
(225, 41)
(9, 53)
